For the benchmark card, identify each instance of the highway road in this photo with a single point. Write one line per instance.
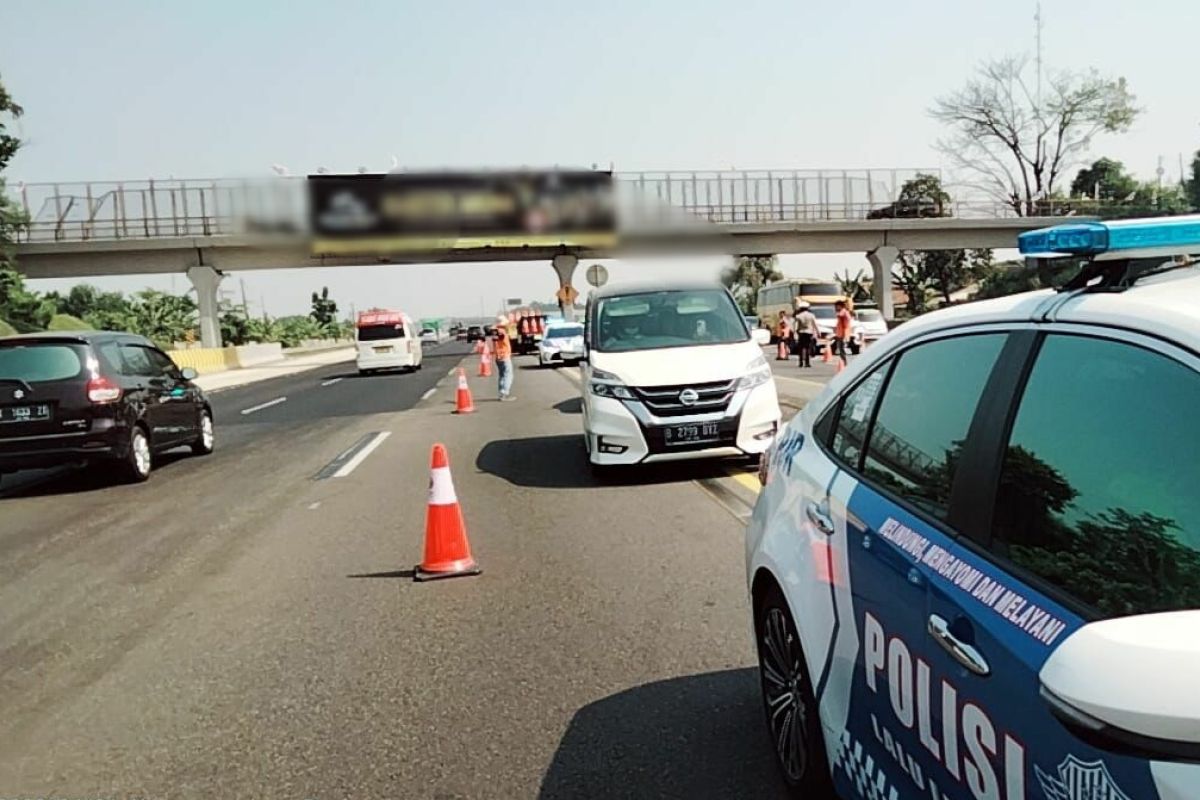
(245, 624)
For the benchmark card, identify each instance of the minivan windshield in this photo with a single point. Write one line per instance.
(40, 363)
(824, 312)
(677, 318)
(373, 333)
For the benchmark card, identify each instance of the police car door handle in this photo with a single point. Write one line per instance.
(963, 653)
(819, 516)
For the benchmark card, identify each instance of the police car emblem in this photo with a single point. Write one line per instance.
(1080, 780)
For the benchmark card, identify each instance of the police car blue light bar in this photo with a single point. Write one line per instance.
(1129, 238)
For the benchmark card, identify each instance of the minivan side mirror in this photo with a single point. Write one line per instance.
(189, 374)
(1128, 685)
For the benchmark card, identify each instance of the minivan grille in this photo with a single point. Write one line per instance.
(663, 401)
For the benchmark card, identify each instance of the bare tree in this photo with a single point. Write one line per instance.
(1014, 145)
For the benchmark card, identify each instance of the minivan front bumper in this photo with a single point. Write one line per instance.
(627, 432)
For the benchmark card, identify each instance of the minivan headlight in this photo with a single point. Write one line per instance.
(757, 373)
(605, 384)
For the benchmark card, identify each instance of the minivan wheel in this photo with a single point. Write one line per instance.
(205, 441)
(140, 460)
(791, 710)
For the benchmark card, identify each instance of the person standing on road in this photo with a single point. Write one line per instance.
(504, 364)
(841, 330)
(785, 337)
(806, 333)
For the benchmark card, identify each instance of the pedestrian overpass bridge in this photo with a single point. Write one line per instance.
(204, 228)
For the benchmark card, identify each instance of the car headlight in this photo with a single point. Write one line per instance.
(605, 384)
(758, 372)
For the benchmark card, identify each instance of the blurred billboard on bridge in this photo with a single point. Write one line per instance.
(431, 212)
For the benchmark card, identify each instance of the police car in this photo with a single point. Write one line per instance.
(975, 562)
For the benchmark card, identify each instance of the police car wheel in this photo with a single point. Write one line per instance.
(791, 710)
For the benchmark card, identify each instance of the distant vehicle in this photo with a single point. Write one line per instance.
(561, 344)
(96, 397)
(910, 208)
(387, 340)
(871, 324)
(670, 373)
(760, 334)
(979, 547)
(782, 296)
(429, 335)
(475, 333)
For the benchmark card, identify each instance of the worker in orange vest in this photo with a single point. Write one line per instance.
(504, 364)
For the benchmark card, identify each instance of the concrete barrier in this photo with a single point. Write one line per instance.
(249, 355)
(206, 359)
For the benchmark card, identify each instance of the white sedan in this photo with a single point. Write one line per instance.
(561, 343)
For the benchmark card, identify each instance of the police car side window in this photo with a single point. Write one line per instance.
(1098, 493)
(856, 411)
(924, 417)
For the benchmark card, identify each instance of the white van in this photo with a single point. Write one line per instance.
(387, 340)
(672, 372)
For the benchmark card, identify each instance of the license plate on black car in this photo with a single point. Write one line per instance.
(33, 413)
(691, 434)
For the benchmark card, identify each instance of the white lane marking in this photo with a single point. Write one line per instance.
(453, 370)
(330, 382)
(428, 394)
(314, 506)
(261, 406)
(362, 454)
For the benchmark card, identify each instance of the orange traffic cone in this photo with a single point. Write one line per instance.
(485, 364)
(463, 404)
(827, 355)
(447, 552)
(781, 354)
(478, 347)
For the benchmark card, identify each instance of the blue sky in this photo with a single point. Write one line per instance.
(125, 90)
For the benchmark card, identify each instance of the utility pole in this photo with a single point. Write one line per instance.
(245, 305)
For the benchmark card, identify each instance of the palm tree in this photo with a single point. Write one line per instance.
(747, 276)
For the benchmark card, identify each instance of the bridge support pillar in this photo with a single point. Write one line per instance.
(206, 281)
(565, 264)
(882, 259)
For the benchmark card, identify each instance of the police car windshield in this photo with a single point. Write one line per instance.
(653, 320)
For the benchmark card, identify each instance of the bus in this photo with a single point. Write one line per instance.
(782, 295)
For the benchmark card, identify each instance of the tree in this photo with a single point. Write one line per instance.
(12, 217)
(324, 310)
(1105, 179)
(854, 286)
(163, 318)
(1015, 145)
(747, 276)
(22, 308)
(1193, 183)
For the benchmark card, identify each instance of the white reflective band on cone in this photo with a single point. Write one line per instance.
(462, 381)
(441, 487)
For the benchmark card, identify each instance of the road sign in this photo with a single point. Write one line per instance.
(597, 275)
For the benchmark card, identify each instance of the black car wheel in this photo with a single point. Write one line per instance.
(205, 441)
(140, 459)
(791, 710)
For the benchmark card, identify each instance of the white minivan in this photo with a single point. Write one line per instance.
(387, 340)
(671, 372)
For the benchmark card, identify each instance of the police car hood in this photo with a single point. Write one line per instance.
(675, 366)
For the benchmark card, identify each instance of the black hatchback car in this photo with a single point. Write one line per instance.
(96, 396)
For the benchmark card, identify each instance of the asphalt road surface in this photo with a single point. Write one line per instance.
(245, 624)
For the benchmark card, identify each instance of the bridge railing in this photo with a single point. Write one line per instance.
(151, 209)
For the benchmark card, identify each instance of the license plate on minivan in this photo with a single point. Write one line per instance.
(691, 434)
(385, 349)
(34, 413)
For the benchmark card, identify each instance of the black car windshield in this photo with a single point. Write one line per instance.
(652, 320)
(373, 333)
(40, 363)
(564, 331)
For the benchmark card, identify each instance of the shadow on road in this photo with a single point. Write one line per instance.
(395, 573)
(572, 405)
(560, 462)
(77, 479)
(700, 736)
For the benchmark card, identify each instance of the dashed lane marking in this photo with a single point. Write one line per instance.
(330, 382)
(261, 406)
(429, 393)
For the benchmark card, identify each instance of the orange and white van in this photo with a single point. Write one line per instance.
(387, 340)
